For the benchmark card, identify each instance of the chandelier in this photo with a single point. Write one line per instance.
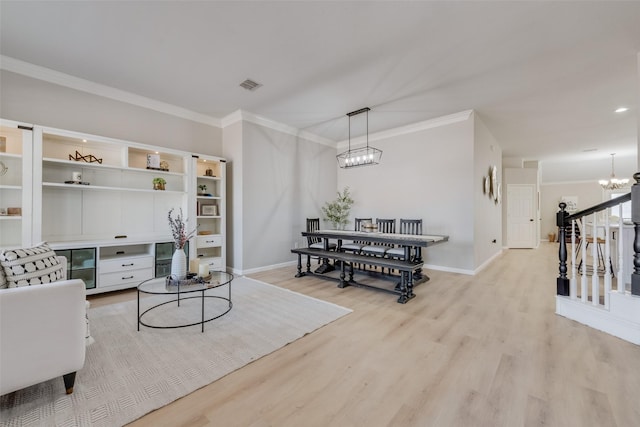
(364, 156)
(613, 183)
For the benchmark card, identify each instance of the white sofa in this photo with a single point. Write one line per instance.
(42, 334)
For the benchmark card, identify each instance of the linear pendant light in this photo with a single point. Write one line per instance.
(364, 156)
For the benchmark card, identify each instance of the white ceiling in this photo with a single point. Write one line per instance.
(544, 76)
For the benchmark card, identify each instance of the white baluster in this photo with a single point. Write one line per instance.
(573, 283)
(595, 279)
(583, 281)
(620, 279)
(607, 257)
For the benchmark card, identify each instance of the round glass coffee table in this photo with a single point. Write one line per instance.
(159, 286)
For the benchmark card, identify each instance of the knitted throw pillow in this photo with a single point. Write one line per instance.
(30, 266)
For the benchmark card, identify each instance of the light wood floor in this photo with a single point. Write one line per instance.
(484, 350)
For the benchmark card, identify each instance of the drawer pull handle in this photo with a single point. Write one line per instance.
(211, 241)
(127, 265)
(125, 278)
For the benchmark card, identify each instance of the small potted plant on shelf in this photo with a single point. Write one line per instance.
(159, 183)
(202, 188)
(337, 212)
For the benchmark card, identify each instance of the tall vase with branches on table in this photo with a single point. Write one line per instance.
(180, 237)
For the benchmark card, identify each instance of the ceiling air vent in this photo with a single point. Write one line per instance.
(250, 84)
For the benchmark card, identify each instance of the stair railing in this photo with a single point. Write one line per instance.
(567, 286)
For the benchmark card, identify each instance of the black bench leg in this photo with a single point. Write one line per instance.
(69, 381)
(351, 272)
(308, 264)
(300, 273)
(342, 283)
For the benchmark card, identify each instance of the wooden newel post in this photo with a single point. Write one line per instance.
(635, 217)
(562, 282)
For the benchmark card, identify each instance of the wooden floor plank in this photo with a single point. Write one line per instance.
(483, 350)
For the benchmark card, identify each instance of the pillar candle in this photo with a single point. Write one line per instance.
(194, 265)
(203, 270)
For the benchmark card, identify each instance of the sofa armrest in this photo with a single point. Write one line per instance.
(42, 333)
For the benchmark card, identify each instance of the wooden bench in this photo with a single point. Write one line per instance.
(406, 268)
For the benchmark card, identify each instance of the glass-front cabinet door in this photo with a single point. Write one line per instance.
(16, 153)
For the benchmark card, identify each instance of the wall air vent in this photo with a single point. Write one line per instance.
(250, 84)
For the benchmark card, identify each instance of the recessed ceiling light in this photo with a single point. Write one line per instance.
(621, 109)
(84, 140)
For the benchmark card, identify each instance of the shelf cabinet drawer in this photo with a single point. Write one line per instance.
(209, 241)
(214, 262)
(124, 277)
(125, 264)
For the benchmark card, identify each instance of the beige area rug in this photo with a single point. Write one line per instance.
(128, 373)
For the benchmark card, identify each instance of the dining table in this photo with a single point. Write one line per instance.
(409, 242)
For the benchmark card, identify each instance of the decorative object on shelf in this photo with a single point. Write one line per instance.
(365, 156)
(153, 161)
(209, 210)
(613, 183)
(76, 182)
(3, 144)
(159, 183)
(208, 172)
(337, 212)
(3, 212)
(180, 237)
(76, 176)
(202, 188)
(14, 211)
(204, 233)
(89, 158)
(3, 169)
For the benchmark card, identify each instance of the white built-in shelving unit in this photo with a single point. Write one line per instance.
(112, 224)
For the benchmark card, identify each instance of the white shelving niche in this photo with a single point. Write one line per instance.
(16, 149)
(115, 197)
(210, 211)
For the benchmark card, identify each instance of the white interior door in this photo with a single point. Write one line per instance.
(521, 216)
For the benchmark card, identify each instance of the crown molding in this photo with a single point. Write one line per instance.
(412, 128)
(46, 74)
(241, 115)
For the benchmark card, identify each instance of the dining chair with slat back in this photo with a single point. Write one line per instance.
(407, 226)
(313, 224)
(356, 245)
(380, 249)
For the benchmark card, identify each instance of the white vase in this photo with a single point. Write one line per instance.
(179, 264)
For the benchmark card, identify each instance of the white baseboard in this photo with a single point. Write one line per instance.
(264, 268)
(604, 320)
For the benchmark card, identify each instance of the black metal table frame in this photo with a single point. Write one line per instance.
(178, 292)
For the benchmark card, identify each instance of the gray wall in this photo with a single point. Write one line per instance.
(285, 179)
(29, 100)
(488, 213)
(430, 174)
